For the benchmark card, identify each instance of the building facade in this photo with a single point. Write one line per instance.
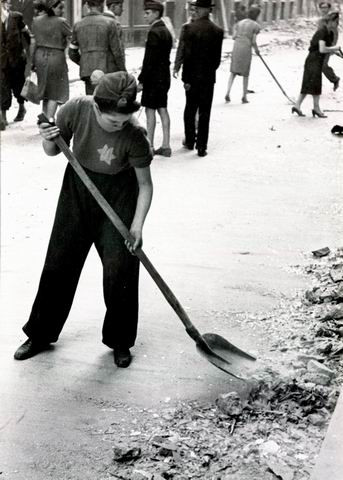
(132, 20)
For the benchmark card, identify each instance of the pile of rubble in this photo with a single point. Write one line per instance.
(274, 428)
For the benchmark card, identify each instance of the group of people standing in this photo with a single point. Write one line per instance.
(94, 42)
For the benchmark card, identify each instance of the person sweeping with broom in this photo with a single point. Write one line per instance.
(116, 155)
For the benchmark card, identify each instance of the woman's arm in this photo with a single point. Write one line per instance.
(143, 205)
(254, 44)
(324, 49)
(48, 133)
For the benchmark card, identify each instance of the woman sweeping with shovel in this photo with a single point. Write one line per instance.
(245, 39)
(116, 155)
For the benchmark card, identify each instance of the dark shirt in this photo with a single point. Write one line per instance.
(15, 39)
(156, 62)
(26, 8)
(202, 51)
(321, 34)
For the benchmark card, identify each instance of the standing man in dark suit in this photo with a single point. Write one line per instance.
(15, 41)
(26, 8)
(201, 58)
(154, 78)
(95, 44)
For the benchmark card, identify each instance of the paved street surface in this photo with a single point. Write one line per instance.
(224, 232)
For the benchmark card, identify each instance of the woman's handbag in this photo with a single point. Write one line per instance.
(30, 89)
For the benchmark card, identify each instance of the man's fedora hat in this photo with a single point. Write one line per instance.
(202, 3)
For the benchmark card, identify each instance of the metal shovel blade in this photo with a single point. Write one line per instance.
(226, 356)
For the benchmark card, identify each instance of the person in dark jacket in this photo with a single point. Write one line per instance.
(180, 51)
(26, 8)
(154, 79)
(15, 41)
(202, 54)
(95, 44)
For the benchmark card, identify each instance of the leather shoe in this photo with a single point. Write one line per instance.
(189, 146)
(202, 152)
(122, 357)
(337, 130)
(29, 349)
(21, 113)
(164, 151)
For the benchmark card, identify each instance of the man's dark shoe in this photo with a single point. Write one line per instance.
(122, 357)
(188, 145)
(29, 349)
(337, 130)
(21, 113)
(202, 152)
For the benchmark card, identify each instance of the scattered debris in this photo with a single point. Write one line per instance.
(280, 469)
(322, 252)
(126, 455)
(272, 429)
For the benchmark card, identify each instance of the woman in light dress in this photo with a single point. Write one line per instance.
(51, 34)
(244, 36)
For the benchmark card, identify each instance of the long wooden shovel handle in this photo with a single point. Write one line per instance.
(275, 79)
(123, 230)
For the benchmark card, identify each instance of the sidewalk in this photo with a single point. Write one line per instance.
(330, 460)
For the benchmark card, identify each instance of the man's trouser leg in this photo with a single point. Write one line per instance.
(329, 71)
(6, 95)
(17, 80)
(89, 87)
(205, 105)
(191, 108)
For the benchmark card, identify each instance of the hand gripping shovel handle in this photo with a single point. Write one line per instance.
(275, 79)
(123, 230)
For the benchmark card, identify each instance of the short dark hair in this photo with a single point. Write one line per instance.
(322, 4)
(94, 3)
(254, 12)
(105, 105)
(50, 10)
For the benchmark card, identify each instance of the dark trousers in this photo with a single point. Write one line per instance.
(79, 223)
(328, 71)
(12, 81)
(89, 87)
(198, 99)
